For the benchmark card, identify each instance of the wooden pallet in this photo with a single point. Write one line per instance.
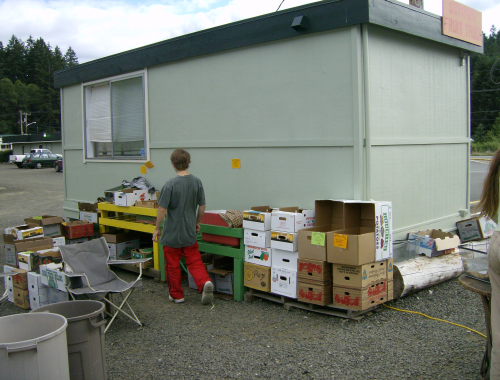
(290, 303)
(252, 293)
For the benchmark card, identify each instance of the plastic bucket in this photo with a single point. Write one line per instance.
(85, 335)
(33, 347)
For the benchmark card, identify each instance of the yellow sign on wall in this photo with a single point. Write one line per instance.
(462, 22)
(236, 162)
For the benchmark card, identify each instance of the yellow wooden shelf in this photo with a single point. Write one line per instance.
(125, 219)
(106, 206)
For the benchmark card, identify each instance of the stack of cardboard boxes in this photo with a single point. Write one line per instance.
(285, 225)
(258, 252)
(27, 247)
(352, 240)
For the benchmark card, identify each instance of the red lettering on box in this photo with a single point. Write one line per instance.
(310, 295)
(347, 300)
(310, 267)
(377, 289)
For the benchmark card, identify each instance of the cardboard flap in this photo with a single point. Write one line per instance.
(329, 212)
(262, 208)
(44, 220)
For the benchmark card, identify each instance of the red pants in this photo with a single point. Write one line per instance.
(173, 268)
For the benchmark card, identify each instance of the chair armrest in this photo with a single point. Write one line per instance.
(6, 274)
(134, 261)
(71, 274)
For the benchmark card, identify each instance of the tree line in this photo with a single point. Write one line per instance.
(26, 84)
(485, 91)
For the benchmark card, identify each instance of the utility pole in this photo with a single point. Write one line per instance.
(23, 119)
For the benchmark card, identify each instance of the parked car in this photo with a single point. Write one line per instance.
(18, 158)
(58, 165)
(37, 160)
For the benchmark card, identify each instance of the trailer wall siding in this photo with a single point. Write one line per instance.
(419, 128)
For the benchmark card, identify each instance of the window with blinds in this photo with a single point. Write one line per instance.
(114, 119)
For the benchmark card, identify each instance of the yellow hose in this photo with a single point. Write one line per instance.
(436, 319)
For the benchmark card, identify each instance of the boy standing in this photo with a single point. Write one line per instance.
(178, 200)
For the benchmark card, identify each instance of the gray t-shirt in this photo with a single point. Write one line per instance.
(181, 196)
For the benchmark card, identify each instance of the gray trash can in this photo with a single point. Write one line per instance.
(85, 336)
(33, 347)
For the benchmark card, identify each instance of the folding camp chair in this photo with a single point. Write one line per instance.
(87, 263)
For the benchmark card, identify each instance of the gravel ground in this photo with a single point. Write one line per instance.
(261, 340)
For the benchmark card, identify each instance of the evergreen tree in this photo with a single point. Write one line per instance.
(15, 67)
(70, 57)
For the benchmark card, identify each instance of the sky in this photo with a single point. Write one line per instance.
(98, 28)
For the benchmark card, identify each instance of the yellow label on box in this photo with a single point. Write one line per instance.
(144, 170)
(236, 163)
(318, 238)
(340, 241)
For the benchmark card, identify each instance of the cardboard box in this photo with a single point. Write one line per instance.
(313, 270)
(224, 280)
(285, 259)
(315, 293)
(257, 238)
(8, 279)
(90, 207)
(26, 260)
(35, 284)
(361, 276)
(128, 197)
(147, 204)
(21, 298)
(360, 247)
(53, 276)
(38, 300)
(431, 242)
(329, 211)
(51, 224)
(257, 277)
(109, 194)
(315, 249)
(257, 218)
(12, 247)
(56, 296)
(192, 283)
(284, 240)
(285, 220)
(360, 299)
(144, 253)
(26, 231)
(390, 290)
(77, 240)
(78, 229)
(89, 217)
(475, 228)
(284, 282)
(390, 269)
(376, 215)
(118, 236)
(259, 256)
(57, 241)
(123, 250)
(20, 280)
(10, 294)
(47, 256)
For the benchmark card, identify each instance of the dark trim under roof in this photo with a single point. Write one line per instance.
(320, 16)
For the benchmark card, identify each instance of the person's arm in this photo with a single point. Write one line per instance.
(159, 218)
(201, 211)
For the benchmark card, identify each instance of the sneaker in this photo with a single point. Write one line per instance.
(180, 300)
(207, 296)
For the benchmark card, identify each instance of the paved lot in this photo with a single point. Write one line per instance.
(261, 340)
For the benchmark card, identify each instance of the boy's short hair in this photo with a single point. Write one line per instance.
(180, 159)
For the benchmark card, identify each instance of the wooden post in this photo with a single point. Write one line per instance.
(416, 274)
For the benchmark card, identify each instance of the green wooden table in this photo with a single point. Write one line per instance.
(237, 253)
